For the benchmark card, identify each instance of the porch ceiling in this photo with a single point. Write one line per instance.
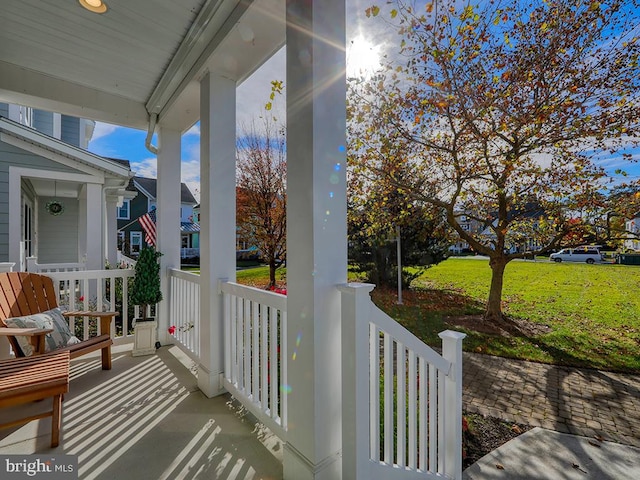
(139, 57)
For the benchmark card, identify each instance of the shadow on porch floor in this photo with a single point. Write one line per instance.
(146, 420)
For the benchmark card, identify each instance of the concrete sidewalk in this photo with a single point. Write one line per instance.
(579, 401)
(541, 454)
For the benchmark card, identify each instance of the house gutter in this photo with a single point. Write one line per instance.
(153, 119)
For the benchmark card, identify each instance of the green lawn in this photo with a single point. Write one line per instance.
(592, 311)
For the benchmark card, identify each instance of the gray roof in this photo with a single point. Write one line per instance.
(150, 186)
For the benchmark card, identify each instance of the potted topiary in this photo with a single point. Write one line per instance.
(146, 292)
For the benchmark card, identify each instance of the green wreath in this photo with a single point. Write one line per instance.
(55, 207)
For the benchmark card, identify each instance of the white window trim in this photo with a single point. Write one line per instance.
(128, 204)
(133, 235)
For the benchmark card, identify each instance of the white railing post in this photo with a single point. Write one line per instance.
(452, 352)
(355, 308)
(31, 264)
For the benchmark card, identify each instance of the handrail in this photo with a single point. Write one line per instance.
(408, 339)
(35, 267)
(264, 297)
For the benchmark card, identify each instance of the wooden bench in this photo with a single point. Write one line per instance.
(24, 293)
(27, 379)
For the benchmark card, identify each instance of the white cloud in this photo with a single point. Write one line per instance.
(253, 93)
(103, 129)
(190, 169)
(195, 130)
(147, 168)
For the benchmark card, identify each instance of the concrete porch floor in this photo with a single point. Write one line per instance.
(146, 420)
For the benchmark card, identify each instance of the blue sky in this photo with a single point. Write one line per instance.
(125, 143)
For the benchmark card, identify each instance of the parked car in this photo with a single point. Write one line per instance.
(589, 254)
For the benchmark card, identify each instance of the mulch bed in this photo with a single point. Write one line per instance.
(484, 434)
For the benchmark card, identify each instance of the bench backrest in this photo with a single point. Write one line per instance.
(23, 293)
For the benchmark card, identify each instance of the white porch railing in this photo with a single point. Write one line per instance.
(124, 261)
(184, 311)
(99, 290)
(34, 267)
(255, 323)
(189, 252)
(413, 426)
(7, 266)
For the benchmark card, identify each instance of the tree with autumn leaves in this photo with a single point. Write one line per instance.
(261, 190)
(500, 112)
(379, 210)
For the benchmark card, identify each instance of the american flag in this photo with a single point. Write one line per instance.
(148, 222)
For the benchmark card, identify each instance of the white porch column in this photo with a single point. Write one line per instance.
(316, 235)
(94, 227)
(111, 235)
(168, 218)
(217, 219)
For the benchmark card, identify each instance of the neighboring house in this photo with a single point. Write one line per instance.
(517, 242)
(54, 192)
(130, 232)
(632, 228)
(468, 225)
(245, 246)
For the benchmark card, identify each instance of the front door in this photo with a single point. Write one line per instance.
(27, 242)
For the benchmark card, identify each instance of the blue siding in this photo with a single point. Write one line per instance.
(70, 130)
(43, 122)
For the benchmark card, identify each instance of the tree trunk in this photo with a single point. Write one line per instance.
(272, 272)
(494, 303)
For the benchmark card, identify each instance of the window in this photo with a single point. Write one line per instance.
(136, 241)
(123, 211)
(26, 116)
(121, 241)
(185, 241)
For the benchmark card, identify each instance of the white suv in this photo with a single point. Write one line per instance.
(589, 254)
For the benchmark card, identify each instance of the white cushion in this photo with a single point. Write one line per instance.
(60, 337)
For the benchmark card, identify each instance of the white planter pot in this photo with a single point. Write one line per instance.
(144, 338)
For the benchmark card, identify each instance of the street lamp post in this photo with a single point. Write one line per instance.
(398, 252)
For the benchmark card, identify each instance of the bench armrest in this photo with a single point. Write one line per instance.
(36, 335)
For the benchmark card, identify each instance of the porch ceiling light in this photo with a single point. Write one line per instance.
(95, 6)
